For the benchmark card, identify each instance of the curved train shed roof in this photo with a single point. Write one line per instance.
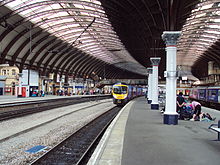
(106, 38)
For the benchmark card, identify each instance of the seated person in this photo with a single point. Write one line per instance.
(196, 106)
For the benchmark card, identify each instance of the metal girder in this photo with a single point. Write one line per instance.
(13, 41)
(51, 50)
(68, 59)
(74, 61)
(53, 55)
(77, 61)
(44, 47)
(26, 42)
(55, 61)
(102, 71)
(94, 66)
(35, 45)
(213, 54)
(89, 60)
(88, 70)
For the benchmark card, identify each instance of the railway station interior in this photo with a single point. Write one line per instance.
(75, 57)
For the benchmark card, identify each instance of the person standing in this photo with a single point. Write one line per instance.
(180, 101)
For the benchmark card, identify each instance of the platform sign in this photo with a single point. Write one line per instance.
(34, 78)
(24, 79)
(30, 77)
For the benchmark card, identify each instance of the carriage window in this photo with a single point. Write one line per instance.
(214, 93)
(218, 95)
(210, 93)
(202, 93)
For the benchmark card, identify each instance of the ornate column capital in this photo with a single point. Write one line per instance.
(149, 70)
(171, 37)
(155, 61)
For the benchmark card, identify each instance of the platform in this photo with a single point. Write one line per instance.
(13, 99)
(138, 137)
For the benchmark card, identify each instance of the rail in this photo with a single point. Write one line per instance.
(12, 110)
(78, 148)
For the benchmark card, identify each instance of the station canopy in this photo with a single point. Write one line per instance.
(108, 38)
(82, 24)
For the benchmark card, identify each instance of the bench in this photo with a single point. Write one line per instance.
(216, 128)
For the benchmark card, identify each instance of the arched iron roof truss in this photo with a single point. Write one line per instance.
(63, 36)
(81, 37)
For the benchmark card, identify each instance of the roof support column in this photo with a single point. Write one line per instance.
(149, 89)
(155, 62)
(170, 114)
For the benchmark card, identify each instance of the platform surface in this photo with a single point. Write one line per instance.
(139, 137)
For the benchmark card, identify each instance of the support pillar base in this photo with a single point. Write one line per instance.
(170, 119)
(149, 101)
(155, 106)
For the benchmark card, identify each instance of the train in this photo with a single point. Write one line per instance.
(207, 96)
(185, 90)
(123, 93)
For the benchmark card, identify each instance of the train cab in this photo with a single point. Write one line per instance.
(120, 94)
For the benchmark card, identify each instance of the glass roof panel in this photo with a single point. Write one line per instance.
(13, 4)
(206, 6)
(210, 36)
(215, 20)
(214, 26)
(212, 31)
(200, 15)
(79, 6)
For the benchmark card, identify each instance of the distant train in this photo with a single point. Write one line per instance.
(186, 91)
(207, 96)
(122, 93)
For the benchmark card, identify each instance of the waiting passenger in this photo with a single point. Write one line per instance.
(180, 101)
(196, 106)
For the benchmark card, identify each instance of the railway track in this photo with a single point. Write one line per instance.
(13, 110)
(77, 148)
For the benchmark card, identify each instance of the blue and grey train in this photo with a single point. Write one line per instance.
(207, 96)
(122, 93)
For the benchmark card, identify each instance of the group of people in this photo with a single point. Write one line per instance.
(195, 106)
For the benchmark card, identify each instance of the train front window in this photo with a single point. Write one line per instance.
(120, 90)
